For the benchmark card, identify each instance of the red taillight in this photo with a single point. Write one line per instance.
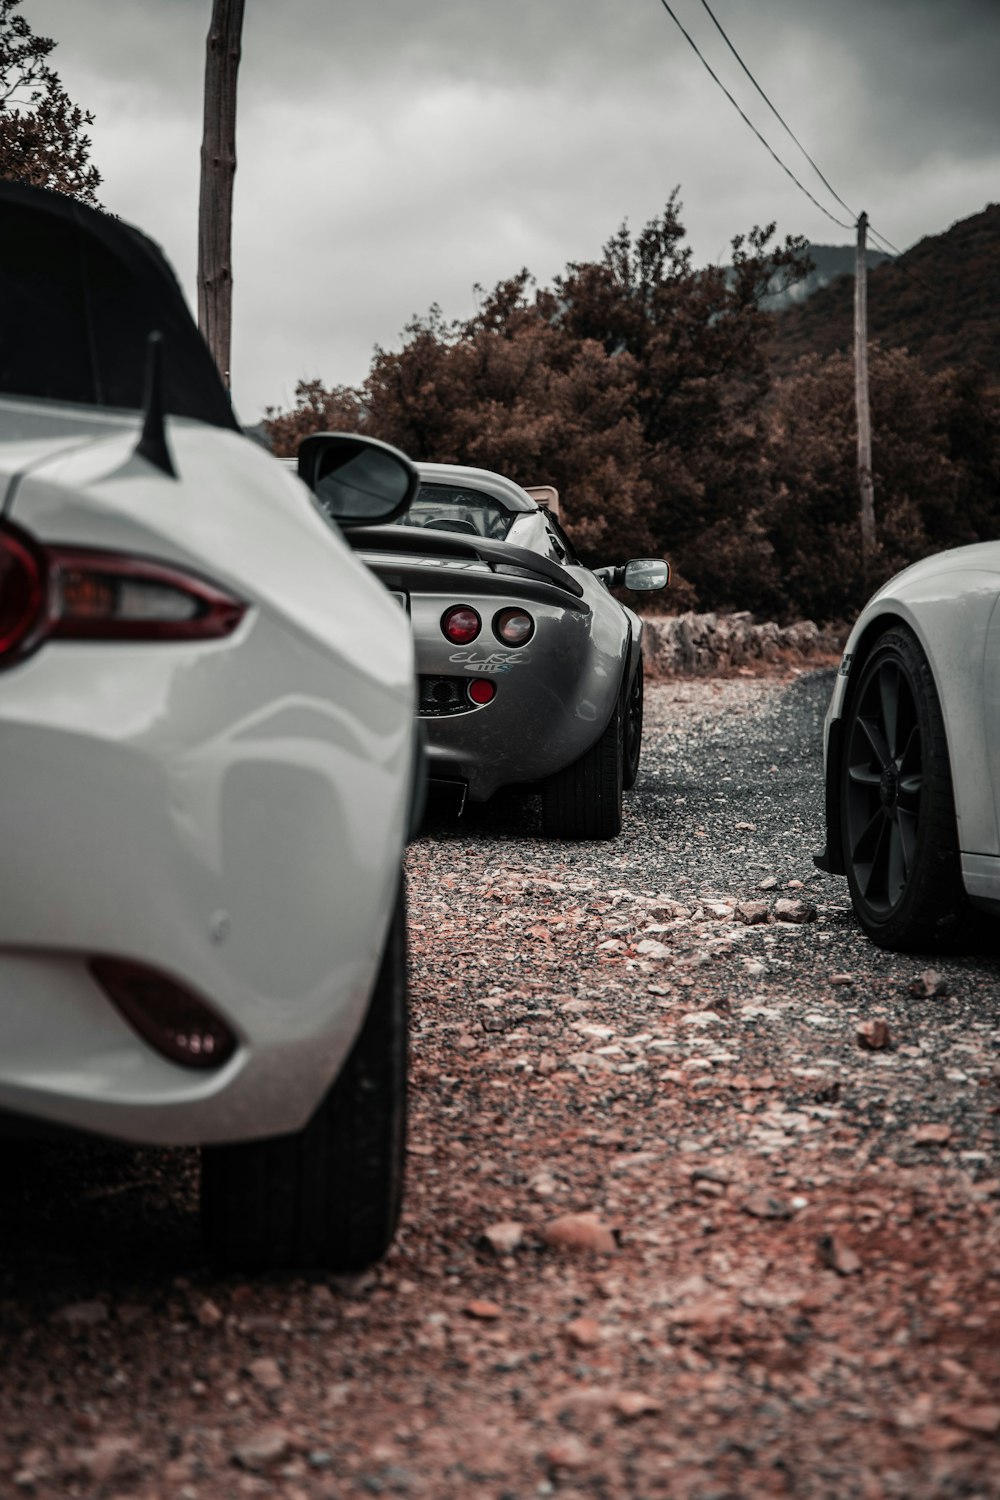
(81, 594)
(461, 624)
(22, 592)
(513, 626)
(481, 691)
(100, 596)
(180, 1025)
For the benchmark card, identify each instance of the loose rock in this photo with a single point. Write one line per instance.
(873, 1036)
(504, 1237)
(580, 1232)
(794, 909)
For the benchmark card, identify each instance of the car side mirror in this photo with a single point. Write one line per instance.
(357, 480)
(643, 574)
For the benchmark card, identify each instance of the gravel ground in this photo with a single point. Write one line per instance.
(684, 1219)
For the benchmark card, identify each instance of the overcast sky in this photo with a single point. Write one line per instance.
(393, 153)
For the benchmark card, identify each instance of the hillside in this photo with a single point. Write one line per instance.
(829, 262)
(940, 300)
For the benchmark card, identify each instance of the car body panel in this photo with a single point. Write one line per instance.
(949, 601)
(556, 693)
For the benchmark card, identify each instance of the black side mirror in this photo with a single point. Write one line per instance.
(358, 481)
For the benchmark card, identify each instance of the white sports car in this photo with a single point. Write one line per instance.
(208, 766)
(912, 746)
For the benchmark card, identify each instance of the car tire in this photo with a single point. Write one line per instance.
(329, 1195)
(897, 808)
(633, 730)
(584, 801)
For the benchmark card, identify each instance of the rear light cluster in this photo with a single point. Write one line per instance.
(512, 627)
(82, 594)
(461, 625)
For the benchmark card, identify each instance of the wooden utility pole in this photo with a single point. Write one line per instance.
(861, 400)
(218, 168)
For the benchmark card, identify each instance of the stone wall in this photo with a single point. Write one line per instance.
(691, 645)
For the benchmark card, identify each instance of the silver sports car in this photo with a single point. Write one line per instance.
(913, 751)
(530, 670)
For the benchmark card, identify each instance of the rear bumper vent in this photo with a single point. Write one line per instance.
(441, 696)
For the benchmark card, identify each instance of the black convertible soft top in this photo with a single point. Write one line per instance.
(80, 293)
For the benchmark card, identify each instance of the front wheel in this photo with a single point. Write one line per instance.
(897, 807)
(330, 1195)
(584, 801)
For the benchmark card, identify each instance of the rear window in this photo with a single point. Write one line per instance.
(445, 507)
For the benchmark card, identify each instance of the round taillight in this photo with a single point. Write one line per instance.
(22, 593)
(513, 627)
(482, 691)
(461, 624)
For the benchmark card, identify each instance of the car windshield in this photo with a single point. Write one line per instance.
(447, 507)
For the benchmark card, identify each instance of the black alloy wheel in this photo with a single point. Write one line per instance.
(897, 807)
(633, 730)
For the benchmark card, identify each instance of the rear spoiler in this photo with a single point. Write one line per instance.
(499, 557)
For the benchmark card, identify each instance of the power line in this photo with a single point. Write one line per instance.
(784, 123)
(887, 243)
(747, 121)
(901, 262)
(775, 113)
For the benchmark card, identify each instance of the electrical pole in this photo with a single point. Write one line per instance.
(218, 168)
(861, 400)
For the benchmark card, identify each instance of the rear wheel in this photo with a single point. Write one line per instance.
(584, 801)
(329, 1195)
(633, 730)
(897, 808)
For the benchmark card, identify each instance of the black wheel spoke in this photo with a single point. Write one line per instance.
(866, 847)
(877, 740)
(864, 775)
(878, 871)
(889, 694)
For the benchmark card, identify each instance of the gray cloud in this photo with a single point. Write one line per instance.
(393, 154)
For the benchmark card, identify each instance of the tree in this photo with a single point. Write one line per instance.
(935, 459)
(698, 339)
(42, 139)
